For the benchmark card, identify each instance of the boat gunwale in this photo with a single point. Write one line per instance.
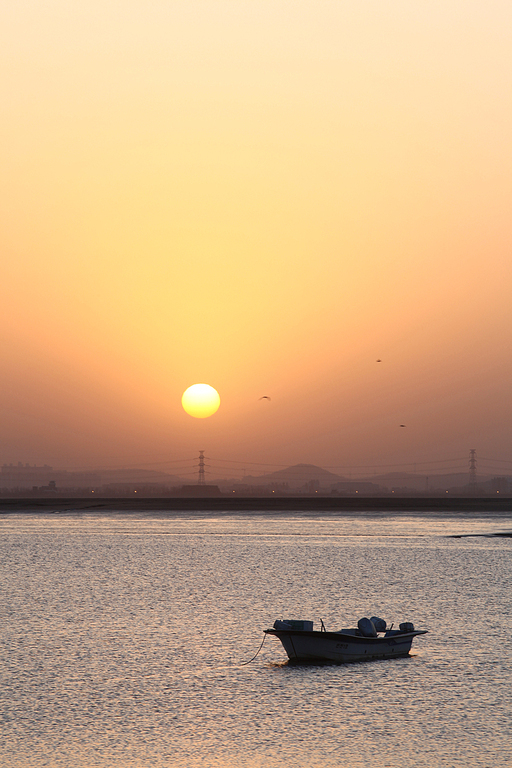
(356, 639)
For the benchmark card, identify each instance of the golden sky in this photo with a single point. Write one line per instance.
(266, 196)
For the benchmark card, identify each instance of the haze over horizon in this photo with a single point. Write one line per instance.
(268, 198)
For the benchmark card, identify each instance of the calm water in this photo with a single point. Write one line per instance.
(122, 641)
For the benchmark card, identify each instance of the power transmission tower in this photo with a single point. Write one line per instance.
(472, 469)
(201, 469)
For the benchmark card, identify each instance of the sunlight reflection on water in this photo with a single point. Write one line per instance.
(123, 638)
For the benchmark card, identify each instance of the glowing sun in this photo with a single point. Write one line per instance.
(200, 400)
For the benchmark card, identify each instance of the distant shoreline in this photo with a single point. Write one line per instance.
(298, 505)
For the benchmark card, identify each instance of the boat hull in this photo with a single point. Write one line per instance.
(339, 648)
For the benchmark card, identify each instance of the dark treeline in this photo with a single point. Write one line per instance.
(268, 505)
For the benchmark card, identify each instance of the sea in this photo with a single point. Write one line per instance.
(136, 640)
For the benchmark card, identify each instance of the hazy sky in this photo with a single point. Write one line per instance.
(265, 196)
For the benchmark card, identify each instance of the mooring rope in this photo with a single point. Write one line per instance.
(257, 652)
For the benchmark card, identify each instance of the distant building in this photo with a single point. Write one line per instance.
(50, 488)
(195, 491)
(355, 486)
(501, 485)
(24, 476)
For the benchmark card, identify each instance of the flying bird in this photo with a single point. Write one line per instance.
(265, 397)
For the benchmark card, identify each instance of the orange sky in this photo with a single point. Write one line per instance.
(266, 196)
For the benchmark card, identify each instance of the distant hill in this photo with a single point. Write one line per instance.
(296, 477)
(424, 482)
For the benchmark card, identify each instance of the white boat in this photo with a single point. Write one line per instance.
(370, 640)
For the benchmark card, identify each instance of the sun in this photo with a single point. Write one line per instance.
(200, 401)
